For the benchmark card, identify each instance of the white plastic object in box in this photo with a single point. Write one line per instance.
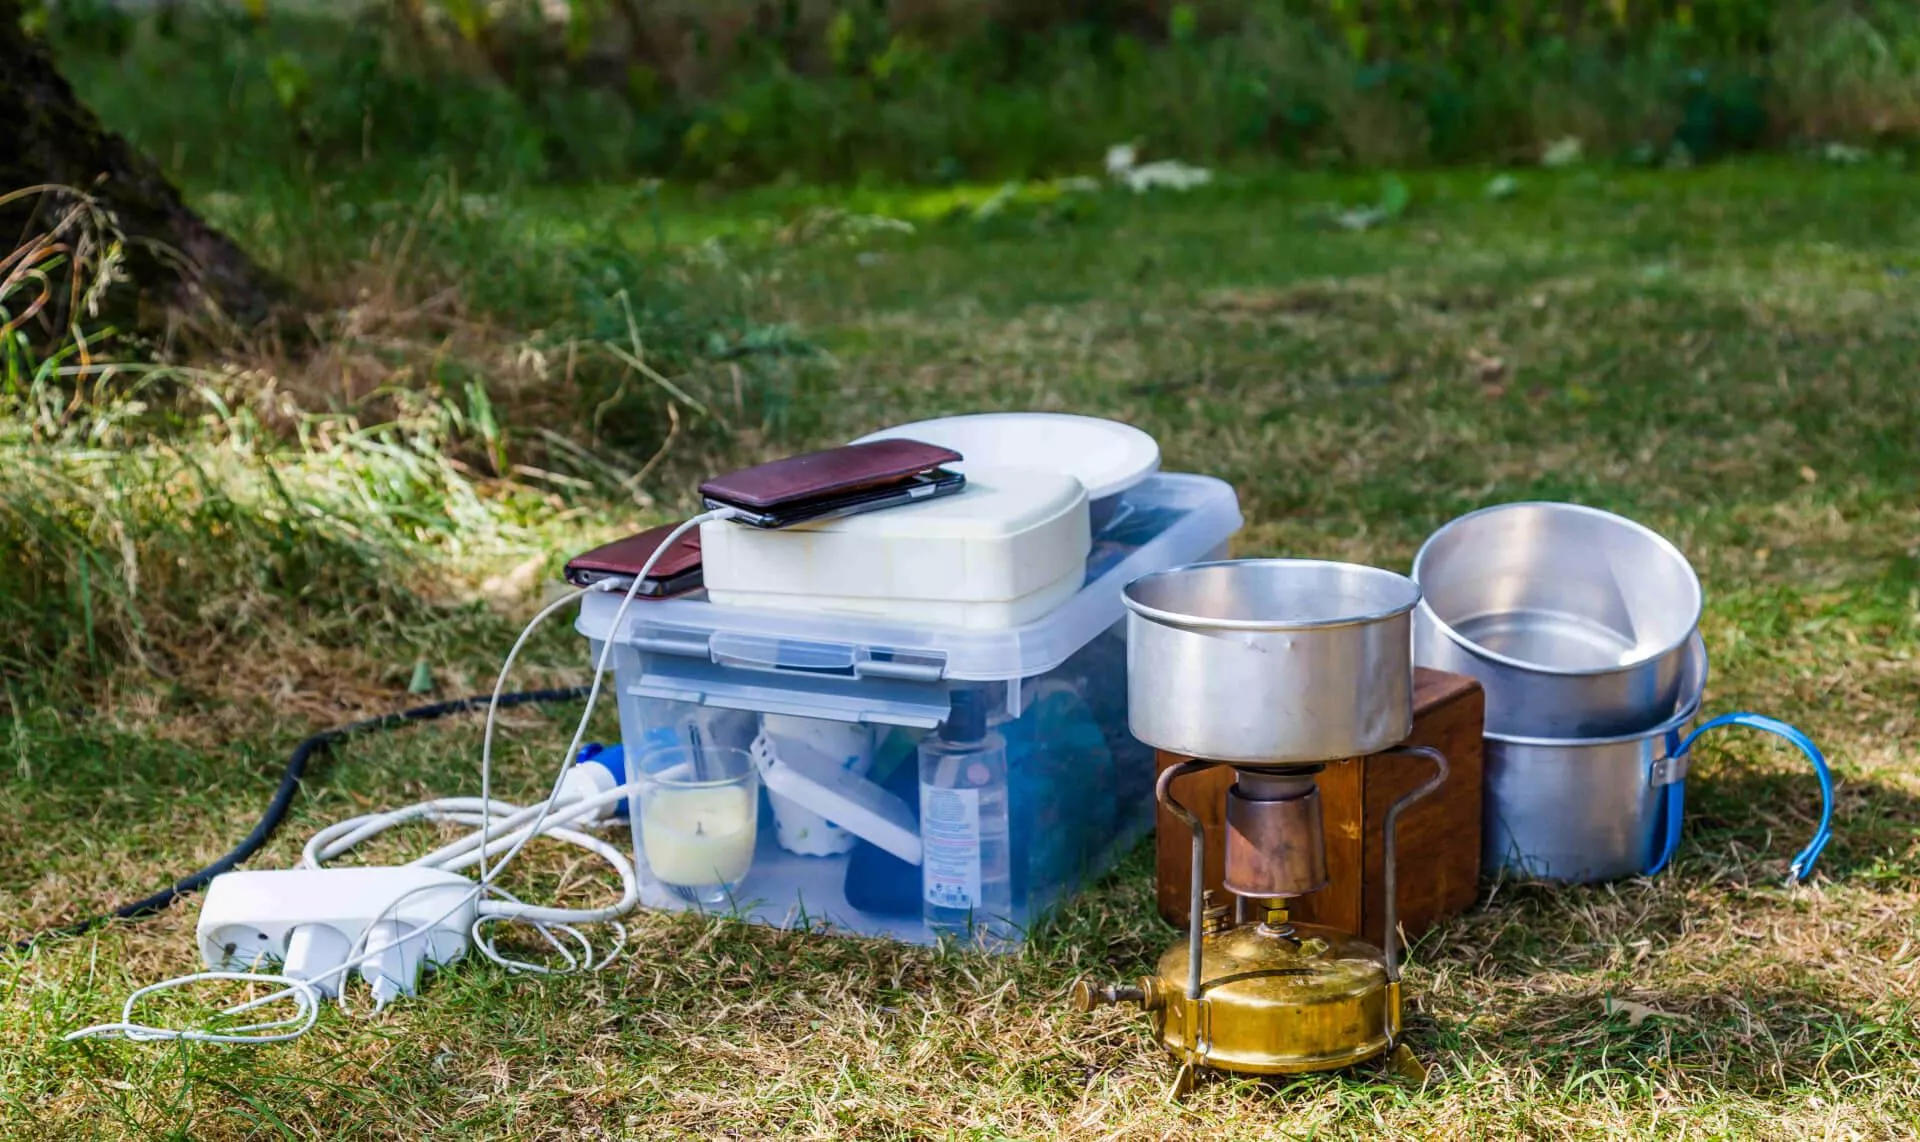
(1009, 534)
(825, 746)
(308, 918)
(861, 807)
(1105, 455)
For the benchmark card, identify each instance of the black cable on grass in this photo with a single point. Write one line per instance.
(277, 808)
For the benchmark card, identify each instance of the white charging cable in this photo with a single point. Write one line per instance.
(306, 1001)
(519, 825)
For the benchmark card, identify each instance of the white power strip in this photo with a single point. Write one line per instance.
(309, 920)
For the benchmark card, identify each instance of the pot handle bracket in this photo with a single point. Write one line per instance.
(1676, 798)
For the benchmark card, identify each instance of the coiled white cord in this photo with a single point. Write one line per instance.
(517, 826)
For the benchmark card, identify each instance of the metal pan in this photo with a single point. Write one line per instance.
(1270, 661)
(1586, 810)
(1575, 621)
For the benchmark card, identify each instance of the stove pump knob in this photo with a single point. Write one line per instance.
(1086, 997)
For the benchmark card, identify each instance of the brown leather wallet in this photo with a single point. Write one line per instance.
(677, 571)
(813, 475)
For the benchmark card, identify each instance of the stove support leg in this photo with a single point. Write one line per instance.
(1439, 778)
(1196, 919)
(1405, 1064)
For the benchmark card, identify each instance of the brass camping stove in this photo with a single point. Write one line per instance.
(1249, 991)
(1275, 667)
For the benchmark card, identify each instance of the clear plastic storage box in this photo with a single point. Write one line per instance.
(834, 710)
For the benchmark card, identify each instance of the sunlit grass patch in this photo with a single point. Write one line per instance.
(1726, 354)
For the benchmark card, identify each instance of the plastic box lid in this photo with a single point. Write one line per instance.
(1165, 521)
(1009, 534)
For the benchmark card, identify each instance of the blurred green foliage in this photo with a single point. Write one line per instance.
(937, 90)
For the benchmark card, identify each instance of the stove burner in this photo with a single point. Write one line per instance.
(1269, 996)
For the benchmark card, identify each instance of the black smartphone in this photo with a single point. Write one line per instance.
(923, 486)
(674, 573)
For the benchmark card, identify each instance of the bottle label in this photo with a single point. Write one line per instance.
(950, 846)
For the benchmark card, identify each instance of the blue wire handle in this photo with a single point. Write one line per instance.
(1675, 806)
(1677, 798)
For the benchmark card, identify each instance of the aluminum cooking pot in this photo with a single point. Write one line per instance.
(1575, 621)
(1585, 809)
(1606, 808)
(1270, 661)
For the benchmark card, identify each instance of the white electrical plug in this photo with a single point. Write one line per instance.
(392, 964)
(597, 770)
(313, 952)
(310, 919)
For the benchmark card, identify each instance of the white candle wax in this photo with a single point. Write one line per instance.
(699, 836)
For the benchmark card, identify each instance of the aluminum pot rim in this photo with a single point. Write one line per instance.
(1183, 621)
(1693, 677)
(1481, 652)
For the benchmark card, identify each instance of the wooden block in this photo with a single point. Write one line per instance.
(1439, 842)
(1439, 835)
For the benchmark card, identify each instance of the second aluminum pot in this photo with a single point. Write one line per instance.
(1587, 810)
(1270, 661)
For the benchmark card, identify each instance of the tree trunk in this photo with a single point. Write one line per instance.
(179, 266)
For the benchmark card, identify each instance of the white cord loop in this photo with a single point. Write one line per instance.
(306, 1010)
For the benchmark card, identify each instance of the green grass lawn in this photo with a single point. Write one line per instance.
(1729, 354)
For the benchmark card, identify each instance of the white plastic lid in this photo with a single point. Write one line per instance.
(1106, 456)
(1166, 521)
(1009, 533)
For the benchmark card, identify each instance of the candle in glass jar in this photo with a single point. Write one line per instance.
(699, 835)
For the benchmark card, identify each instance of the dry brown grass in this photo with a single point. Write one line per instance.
(1342, 382)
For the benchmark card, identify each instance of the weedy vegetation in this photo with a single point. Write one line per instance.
(948, 91)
